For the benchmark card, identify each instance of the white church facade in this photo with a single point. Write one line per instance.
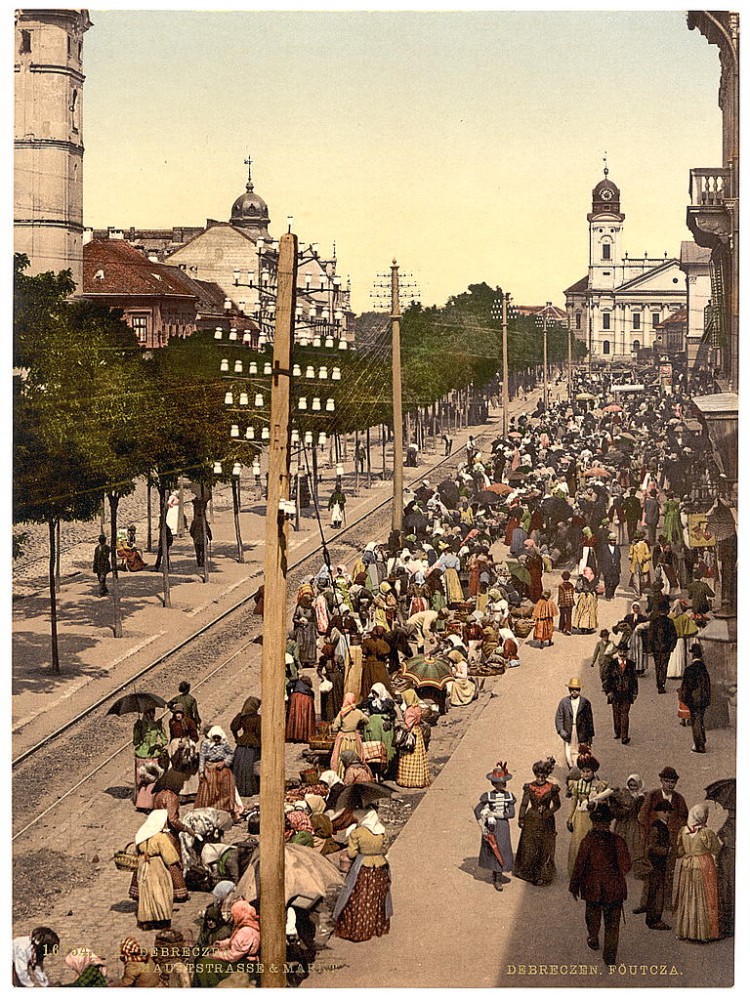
(617, 307)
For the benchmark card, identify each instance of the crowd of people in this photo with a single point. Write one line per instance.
(379, 651)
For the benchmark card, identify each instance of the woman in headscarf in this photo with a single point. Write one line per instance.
(335, 787)
(29, 953)
(140, 969)
(245, 728)
(181, 725)
(355, 769)
(413, 769)
(346, 726)
(381, 711)
(167, 797)
(242, 945)
(149, 742)
(385, 606)
(364, 908)
(155, 886)
(451, 564)
(535, 856)
(696, 898)
(216, 787)
(637, 650)
(510, 645)
(300, 720)
(215, 925)
(686, 629)
(89, 969)
(585, 613)
(376, 653)
(298, 828)
(304, 622)
(323, 841)
(626, 803)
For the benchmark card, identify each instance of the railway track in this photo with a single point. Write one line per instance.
(85, 735)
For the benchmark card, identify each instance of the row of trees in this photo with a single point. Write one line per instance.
(94, 413)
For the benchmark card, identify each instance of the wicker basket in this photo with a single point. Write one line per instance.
(126, 860)
(523, 627)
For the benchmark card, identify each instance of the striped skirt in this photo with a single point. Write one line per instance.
(216, 789)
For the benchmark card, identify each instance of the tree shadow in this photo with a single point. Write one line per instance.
(32, 660)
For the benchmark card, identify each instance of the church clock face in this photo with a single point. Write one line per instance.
(606, 195)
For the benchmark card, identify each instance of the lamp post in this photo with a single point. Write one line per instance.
(542, 321)
(500, 309)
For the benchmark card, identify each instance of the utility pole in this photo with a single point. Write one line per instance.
(506, 376)
(272, 678)
(545, 319)
(398, 429)
(570, 362)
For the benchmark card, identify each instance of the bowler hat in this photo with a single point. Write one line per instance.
(574, 682)
(669, 773)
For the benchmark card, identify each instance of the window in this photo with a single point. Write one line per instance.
(655, 319)
(636, 346)
(605, 347)
(578, 321)
(139, 324)
(636, 321)
(606, 321)
(25, 41)
(606, 251)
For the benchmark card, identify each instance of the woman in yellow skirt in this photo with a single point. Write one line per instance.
(413, 769)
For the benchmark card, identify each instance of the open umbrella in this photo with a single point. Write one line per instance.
(613, 408)
(585, 396)
(139, 701)
(362, 794)
(502, 489)
(597, 471)
(488, 497)
(723, 791)
(428, 671)
(515, 434)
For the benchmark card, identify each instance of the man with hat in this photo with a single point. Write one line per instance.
(620, 684)
(610, 565)
(695, 694)
(574, 721)
(676, 819)
(657, 852)
(492, 812)
(598, 876)
(662, 639)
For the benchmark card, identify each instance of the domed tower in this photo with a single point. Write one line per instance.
(605, 234)
(249, 211)
(48, 139)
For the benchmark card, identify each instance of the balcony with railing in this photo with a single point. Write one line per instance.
(708, 217)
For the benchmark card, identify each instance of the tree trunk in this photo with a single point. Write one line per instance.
(369, 468)
(206, 543)
(53, 599)
(57, 553)
(167, 599)
(382, 439)
(114, 501)
(315, 471)
(236, 506)
(356, 463)
(149, 538)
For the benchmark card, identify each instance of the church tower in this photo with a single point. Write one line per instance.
(48, 139)
(605, 236)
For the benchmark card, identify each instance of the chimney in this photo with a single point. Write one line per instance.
(88, 235)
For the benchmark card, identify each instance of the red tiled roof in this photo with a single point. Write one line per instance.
(579, 286)
(113, 267)
(674, 319)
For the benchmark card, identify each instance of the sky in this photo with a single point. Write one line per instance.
(464, 144)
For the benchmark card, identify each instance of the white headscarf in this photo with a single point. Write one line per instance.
(697, 818)
(330, 778)
(370, 820)
(154, 823)
(638, 782)
(378, 695)
(222, 889)
(217, 731)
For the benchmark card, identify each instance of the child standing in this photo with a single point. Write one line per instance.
(566, 602)
(544, 619)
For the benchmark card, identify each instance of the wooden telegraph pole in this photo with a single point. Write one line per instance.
(545, 377)
(570, 362)
(398, 427)
(506, 374)
(272, 678)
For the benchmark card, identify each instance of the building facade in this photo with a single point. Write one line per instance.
(695, 262)
(48, 139)
(617, 308)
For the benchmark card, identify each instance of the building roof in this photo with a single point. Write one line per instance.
(648, 275)
(579, 286)
(691, 253)
(114, 267)
(719, 402)
(674, 319)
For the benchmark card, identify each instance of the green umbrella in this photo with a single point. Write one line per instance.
(428, 671)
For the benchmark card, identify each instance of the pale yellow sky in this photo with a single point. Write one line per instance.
(465, 144)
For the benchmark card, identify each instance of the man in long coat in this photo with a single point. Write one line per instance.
(677, 818)
(574, 721)
(662, 639)
(610, 565)
(620, 684)
(602, 862)
(695, 694)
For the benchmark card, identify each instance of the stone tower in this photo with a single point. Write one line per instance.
(48, 139)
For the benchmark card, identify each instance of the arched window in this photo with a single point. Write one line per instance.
(636, 346)
(605, 347)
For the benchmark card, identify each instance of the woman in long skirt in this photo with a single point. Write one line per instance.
(245, 728)
(304, 621)
(637, 648)
(364, 908)
(346, 726)
(413, 769)
(626, 804)
(686, 629)
(156, 853)
(584, 793)
(585, 613)
(493, 812)
(696, 899)
(216, 787)
(535, 856)
(300, 720)
(149, 742)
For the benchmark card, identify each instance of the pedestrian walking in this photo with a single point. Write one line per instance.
(566, 603)
(604, 650)
(610, 565)
(200, 532)
(337, 506)
(535, 856)
(492, 812)
(574, 721)
(544, 619)
(657, 851)
(695, 694)
(633, 512)
(696, 903)
(102, 564)
(584, 792)
(620, 684)
(598, 878)
(677, 818)
(447, 445)
(651, 515)
(662, 639)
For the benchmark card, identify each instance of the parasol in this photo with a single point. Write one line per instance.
(585, 396)
(306, 873)
(362, 794)
(139, 701)
(428, 671)
(502, 489)
(613, 408)
(488, 497)
(723, 791)
(597, 471)
(515, 434)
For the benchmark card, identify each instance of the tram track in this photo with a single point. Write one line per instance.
(85, 736)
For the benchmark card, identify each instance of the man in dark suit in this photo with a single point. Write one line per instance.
(676, 819)
(633, 511)
(657, 851)
(598, 877)
(610, 565)
(695, 694)
(662, 639)
(620, 684)
(574, 721)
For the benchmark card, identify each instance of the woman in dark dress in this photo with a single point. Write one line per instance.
(300, 720)
(331, 674)
(305, 630)
(376, 654)
(535, 855)
(245, 728)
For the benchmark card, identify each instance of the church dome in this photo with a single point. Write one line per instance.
(606, 195)
(250, 211)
